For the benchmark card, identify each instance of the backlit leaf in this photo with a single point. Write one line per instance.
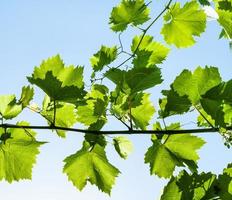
(182, 24)
(133, 12)
(90, 164)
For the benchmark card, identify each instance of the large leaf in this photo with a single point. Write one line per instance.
(190, 187)
(182, 24)
(171, 151)
(137, 79)
(133, 12)
(90, 165)
(149, 51)
(18, 151)
(103, 57)
(57, 81)
(195, 84)
(173, 103)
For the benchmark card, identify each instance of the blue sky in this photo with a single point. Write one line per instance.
(35, 30)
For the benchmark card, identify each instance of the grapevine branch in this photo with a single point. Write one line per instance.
(115, 132)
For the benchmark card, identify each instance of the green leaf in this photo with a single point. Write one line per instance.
(171, 191)
(26, 96)
(174, 103)
(204, 2)
(93, 112)
(123, 146)
(174, 150)
(224, 4)
(9, 108)
(149, 52)
(137, 79)
(182, 24)
(65, 114)
(221, 92)
(57, 81)
(140, 119)
(90, 164)
(18, 154)
(201, 120)
(103, 57)
(133, 12)
(203, 186)
(225, 20)
(197, 83)
(215, 110)
(228, 170)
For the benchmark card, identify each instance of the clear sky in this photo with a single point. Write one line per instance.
(35, 30)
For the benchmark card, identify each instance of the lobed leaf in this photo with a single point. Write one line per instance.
(133, 12)
(91, 165)
(182, 24)
(57, 81)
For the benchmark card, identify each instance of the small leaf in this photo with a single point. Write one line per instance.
(26, 96)
(103, 57)
(123, 146)
(149, 52)
(9, 108)
(133, 12)
(182, 24)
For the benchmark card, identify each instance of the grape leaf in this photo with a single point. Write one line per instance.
(103, 57)
(18, 154)
(171, 191)
(140, 119)
(149, 52)
(90, 164)
(215, 110)
(225, 20)
(26, 96)
(197, 83)
(221, 92)
(9, 108)
(57, 81)
(201, 120)
(133, 12)
(65, 114)
(174, 150)
(228, 170)
(93, 112)
(224, 4)
(215, 100)
(182, 24)
(137, 79)
(204, 2)
(174, 103)
(123, 146)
